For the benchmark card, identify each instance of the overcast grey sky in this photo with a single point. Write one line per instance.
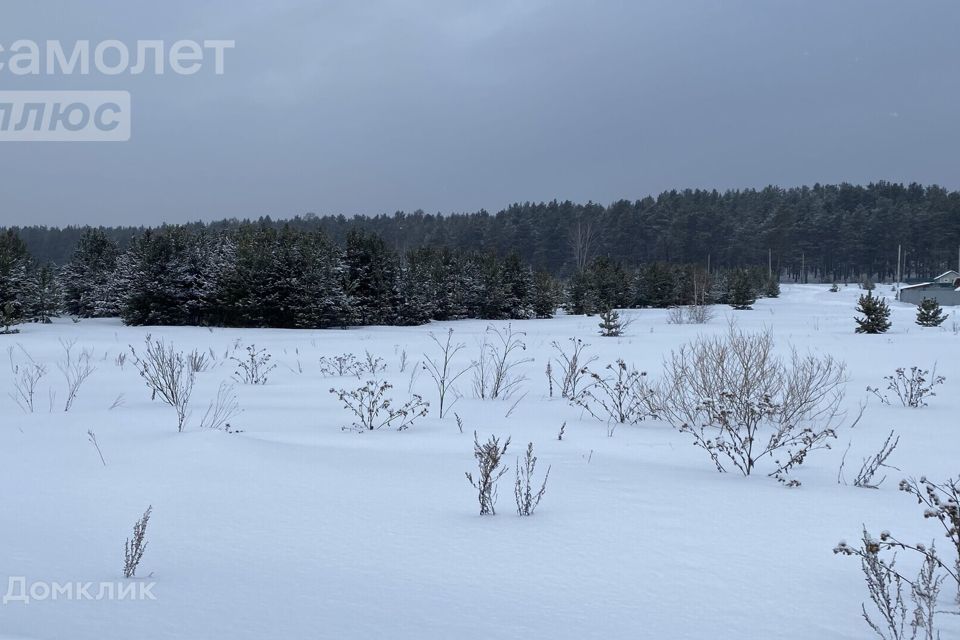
(354, 106)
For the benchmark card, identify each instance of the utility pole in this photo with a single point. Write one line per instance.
(803, 267)
(898, 271)
(770, 264)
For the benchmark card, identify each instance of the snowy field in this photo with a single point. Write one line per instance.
(291, 527)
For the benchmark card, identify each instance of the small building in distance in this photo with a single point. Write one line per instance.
(945, 289)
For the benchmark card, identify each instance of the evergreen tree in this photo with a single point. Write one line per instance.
(494, 301)
(742, 293)
(370, 267)
(9, 317)
(43, 297)
(411, 302)
(930, 313)
(87, 277)
(518, 288)
(14, 271)
(771, 288)
(656, 286)
(544, 295)
(159, 279)
(610, 324)
(876, 314)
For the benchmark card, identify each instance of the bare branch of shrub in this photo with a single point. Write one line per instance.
(374, 410)
(75, 370)
(92, 438)
(134, 548)
(622, 396)
(495, 373)
(221, 409)
(523, 490)
(489, 456)
(913, 389)
(572, 366)
(742, 404)
(442, 371)
(167, 375)
(255, 368)
(26, 377)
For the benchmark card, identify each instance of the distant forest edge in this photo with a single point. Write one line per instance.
(821, 233)
(258, 276)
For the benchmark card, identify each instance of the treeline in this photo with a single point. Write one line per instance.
(258, 276)
(819, 233)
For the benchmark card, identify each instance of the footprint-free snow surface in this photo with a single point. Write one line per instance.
(289, 526)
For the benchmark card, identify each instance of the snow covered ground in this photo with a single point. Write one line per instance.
(293, 528)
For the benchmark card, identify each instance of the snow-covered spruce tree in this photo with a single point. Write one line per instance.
(930, 313)
(518, 287)
(771, 288)
(370, 268)
(15, 264)
(718, 291)
(656, 286)
(742, 294)
(43, 293)
(161, 278)
(876, 314)
(494, 299)
(86, 279)
(611, 326)
(410, 301)
(545, 295)
(9, 317)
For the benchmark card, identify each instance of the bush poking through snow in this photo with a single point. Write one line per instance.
(622, 396)
(523, 489)
(743, 405)
(441, 369)
(75, 370)
(134, 548)
(490, 465)
(876, 314)
(167, 375)
(871, 465)
(373, 410)
(339, 366)
(371, 364)
(885, 584)
(912, 389)
(221, 409)
(494, 375)
(199, 361)
(92, 439)
(26, 377)
(942, 503)
(572, 366)
(255, 368)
